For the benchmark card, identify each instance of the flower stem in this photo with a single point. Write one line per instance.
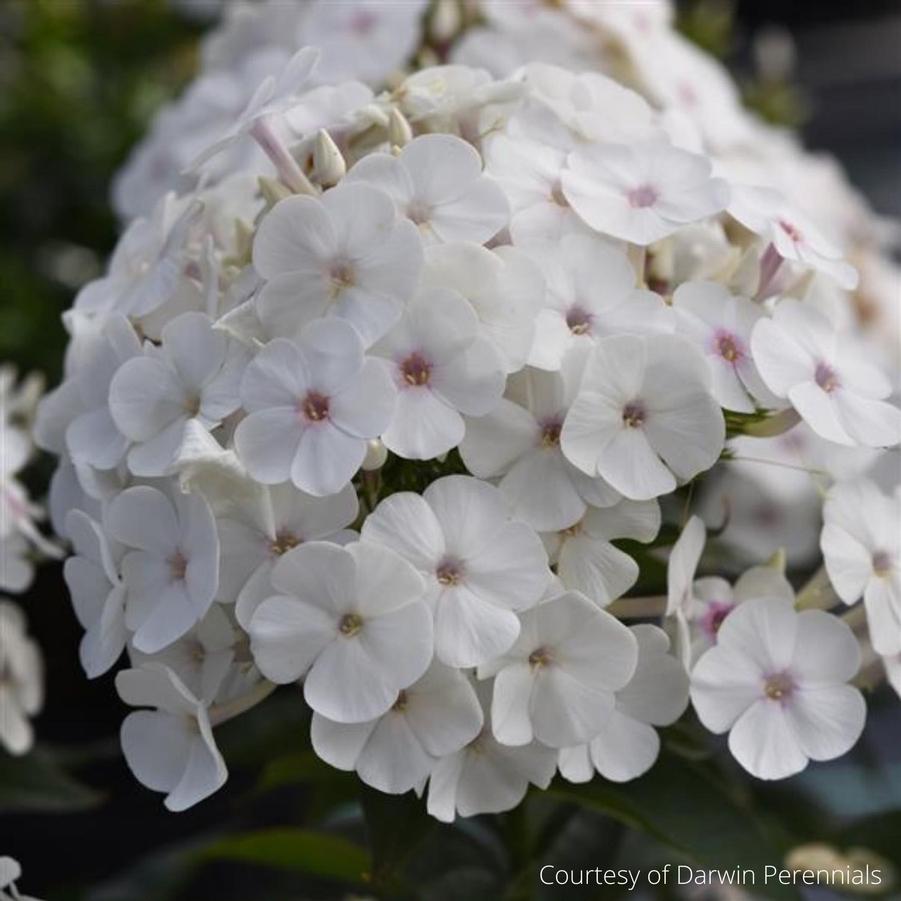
(638, 608)
(285, 164)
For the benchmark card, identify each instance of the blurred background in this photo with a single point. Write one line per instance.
(79, 82)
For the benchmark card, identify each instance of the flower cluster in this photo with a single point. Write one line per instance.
(373, 398)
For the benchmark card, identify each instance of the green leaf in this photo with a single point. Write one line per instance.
(680, 805)
(35, 783)
(301, 850)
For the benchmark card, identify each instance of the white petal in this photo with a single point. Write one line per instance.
(764, 742)
(827, 721)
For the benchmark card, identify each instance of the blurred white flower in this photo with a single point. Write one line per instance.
(776, 681)
(21, 680)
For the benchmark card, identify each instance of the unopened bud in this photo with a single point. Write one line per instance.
(376, 455)
(445, 21)
(272, 190)
(399, 131)
(777, 561)
(328, 163)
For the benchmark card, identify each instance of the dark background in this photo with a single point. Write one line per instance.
(78, 83)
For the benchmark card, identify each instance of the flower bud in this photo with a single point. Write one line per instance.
(376, 455)
(328, 163)
(399, 131)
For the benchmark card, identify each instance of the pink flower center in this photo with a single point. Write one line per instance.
(642, 196)
(579, 320)
(550, 432)
(449, 572)
(728, 347)
(826, 377)
(779, 686)
(416, 370)
(791, 230)
(634, 415)
(315, 407)
(882, 563)
(713, 617)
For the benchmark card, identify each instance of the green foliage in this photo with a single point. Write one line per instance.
(35, 783)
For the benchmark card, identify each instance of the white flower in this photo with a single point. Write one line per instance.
(478, 565)
(529, 172)
(351, 621)
(97, 591)
(437, 183)
(442, 368)
(520, 443)
(791, 234)
(10, 873)
(255, 534)
(203, 657)
(556, 683)
(504, 287)
(16, 568)
(644, 416)
(172, 570)
(312, 405)
(195, 375)
(628, 744)
(21, 680)
(720, 324)
(365, 39)
(587, 561)
(641, 192)
(776, 682)
(837, 391)
(486, 776)
(344, 254)
(861, 544)
(170, 748)
(436, 716)
(591, 293)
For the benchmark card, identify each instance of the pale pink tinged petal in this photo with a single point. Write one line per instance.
(381, 170)
(690, 438)
(195, 349)
(441, 166)
(287, 636)
(658, 692)
(470, 632)
(473, 381)
(638, 520)
(565, 710)
(157, 455)
(781, 361)
(318, 573)
(625, 748)
(467, 510)
(883, 605)
(591, 425)
(156, 747)
(93, 438)
(296, 235)
(142, 517)
(477, 215)
(339, 744)
(278, 377)
(765, 743)
(362, 216)
(327, 459)
(872, 423)
(334, 354)
(365, 408)
(290, 301)
(172, 616)
(596, 568)
(511, 570)
(267, 443)
(575, 764)
(630, 464)
(443, 710)
(348, 685)
(827, 720)
(405, 523)
(763, 630)
(510, 707)
(394, 760)
(762, 582)
(728, 386)
(423, 427)
(145, 396)
(540, 491)
(385, 582)
(819, 410)
(204, 774)
(370, 312)
(724, 684)
(826, 650)
(494, 442)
